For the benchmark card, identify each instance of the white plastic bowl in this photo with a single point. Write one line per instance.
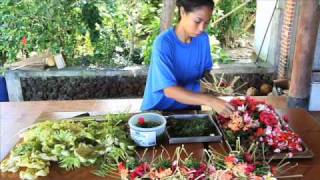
(146, 137)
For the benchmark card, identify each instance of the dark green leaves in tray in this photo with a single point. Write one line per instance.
(190, 127)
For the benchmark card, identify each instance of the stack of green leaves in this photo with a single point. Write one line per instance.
(72, 144)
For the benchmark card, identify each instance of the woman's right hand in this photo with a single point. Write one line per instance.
(221, 107)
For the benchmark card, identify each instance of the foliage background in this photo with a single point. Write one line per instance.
(99, 32)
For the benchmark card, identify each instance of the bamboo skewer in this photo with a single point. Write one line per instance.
(231, 12)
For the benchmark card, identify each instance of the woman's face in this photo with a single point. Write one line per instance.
(196, 22)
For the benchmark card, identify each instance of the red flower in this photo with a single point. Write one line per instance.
(285, 118)
(237, 102)
(274, 170)
(231, 159)
(269, 119)
(248, 157)
(222, 119)
(260, 132)
(224, 84)
(250, 168)
(121, 166)
(141, 121)
(122, 169)
(201, 170)
(24, 40)
(140, 170)
(252, 104)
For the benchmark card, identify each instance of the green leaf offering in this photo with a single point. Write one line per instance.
(71, 144)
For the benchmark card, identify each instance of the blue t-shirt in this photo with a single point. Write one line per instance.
(175, 63)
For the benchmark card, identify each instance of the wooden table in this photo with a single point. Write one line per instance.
(16, 116)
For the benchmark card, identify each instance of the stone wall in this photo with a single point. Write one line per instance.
(81, 83)
(71, 88)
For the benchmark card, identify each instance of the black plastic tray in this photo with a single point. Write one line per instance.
(217, 137)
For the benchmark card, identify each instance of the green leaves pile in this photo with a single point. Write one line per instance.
(71, 144)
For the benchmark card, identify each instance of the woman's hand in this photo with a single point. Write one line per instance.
(221, 107)
(187, 97)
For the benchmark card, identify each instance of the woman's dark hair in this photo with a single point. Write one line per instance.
(191, 5)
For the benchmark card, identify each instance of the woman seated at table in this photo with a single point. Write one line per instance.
(180, 57)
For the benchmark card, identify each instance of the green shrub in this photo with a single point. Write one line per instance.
(51, 24)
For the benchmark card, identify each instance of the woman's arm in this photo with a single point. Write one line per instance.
(188, 97)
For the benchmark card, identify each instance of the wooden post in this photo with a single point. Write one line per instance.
(167, 14)
(308, 24)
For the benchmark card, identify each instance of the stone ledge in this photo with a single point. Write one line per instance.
(249, 68)
(15, 89)
(81, 71)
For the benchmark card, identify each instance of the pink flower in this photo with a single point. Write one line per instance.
(247, 118)
(211, 169)
(222, 174)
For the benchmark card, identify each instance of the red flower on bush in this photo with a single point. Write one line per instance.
(269, 119)
(24, 40)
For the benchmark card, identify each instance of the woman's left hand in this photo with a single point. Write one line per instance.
(221, 107)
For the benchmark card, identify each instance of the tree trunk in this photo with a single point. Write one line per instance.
(167, 14)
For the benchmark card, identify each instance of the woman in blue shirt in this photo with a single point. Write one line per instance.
(180, 57)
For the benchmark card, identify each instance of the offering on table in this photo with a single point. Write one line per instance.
(237, 164)
(71, 144)
(256, 121)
